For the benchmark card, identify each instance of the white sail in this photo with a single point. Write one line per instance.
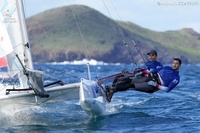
(13, 18)
(5, 43)
(19, 62)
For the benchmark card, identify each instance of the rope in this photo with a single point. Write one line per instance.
(139, 51)
(119, 33)
(79, 29)
(136, 46)
(115, 75)
(87, 51)
(61, 71)
(115, 10)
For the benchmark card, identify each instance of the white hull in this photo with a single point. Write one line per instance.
(58, 93)
(92, 100)
(15, 48)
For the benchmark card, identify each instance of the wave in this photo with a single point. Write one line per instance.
(83, 62)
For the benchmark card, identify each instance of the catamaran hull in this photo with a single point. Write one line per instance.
(93, 107)
(91, 100)
(58, 93)
(15, 51)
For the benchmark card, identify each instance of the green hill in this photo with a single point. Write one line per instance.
(77, 32)
(185, 40)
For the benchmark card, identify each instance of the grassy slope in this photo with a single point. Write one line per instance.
(59, 27)
(183, 40)
(56, 30)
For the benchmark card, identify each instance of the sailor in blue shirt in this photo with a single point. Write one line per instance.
(151, 66)
(166, 79)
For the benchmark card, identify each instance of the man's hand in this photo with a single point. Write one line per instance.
(138, 70)
(138, 74)
(153, 83)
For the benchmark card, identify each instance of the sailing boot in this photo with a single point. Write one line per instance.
(110, 92)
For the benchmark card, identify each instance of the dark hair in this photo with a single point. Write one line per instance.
(179, 60)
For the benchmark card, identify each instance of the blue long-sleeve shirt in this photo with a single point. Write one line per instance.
(153, 66)
(169, 78)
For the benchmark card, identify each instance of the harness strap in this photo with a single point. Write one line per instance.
(155, 77)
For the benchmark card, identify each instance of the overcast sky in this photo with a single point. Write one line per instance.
(158, 15)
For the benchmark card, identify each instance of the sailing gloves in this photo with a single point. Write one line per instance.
(142, 73)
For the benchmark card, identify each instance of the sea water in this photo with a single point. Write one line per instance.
(130, 111)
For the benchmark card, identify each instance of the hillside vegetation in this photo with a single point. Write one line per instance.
(77, 32)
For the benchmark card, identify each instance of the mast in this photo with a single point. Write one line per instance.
(27, 55)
